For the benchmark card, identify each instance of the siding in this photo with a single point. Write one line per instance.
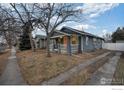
(90, 46)
(98, 44)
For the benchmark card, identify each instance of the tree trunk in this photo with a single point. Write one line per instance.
(31, 42)
(8, 40)
(48, 46)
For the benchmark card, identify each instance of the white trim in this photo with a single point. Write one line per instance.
(40, 43)
(87, 40)
(82, 43)
(62, 32)
(57, 36)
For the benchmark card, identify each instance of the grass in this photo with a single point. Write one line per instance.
(3, 60)
(81, 77)
(37, 67)
(118, 78)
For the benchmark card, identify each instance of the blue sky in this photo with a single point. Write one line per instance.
(108, 21)
(100, 18)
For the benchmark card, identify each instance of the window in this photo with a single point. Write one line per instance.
(74, 39)
(94, 41)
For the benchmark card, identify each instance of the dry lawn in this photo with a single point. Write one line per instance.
(37, 67)
(92, 54)
(81, 77)
(119, 73)
(3, 60)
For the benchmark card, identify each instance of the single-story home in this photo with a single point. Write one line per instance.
(69, 40)
(40, 41)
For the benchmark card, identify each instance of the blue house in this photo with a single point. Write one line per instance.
(69, 40)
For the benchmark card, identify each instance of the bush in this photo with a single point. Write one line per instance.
(24, 42)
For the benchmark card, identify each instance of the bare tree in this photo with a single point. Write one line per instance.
(25, 15)
(7, 25)
(107, 37)
(53, 15)
(47, 16)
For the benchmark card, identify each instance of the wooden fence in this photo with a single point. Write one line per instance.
(113, 46)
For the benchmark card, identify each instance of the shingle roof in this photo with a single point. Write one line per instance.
(79, 32)
(59, 33)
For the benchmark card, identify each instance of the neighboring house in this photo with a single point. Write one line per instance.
(40, 41)
(69, 40)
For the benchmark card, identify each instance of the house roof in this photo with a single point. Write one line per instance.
(71, 31)
(59, 33)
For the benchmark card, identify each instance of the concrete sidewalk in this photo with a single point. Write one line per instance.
(12, 74)
(104, 75)
(68, 74)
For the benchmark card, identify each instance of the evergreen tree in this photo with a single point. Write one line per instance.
(24, 42)
(118, 34)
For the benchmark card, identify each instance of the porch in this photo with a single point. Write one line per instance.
(66, 44)
(60, 48)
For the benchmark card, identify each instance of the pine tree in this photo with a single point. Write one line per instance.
(118, 34)
(24, 42)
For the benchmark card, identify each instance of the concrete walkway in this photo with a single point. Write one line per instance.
(11, 74)
(66, 75)
(105, 74)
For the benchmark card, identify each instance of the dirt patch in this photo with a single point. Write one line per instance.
(36, 67)
(3, 60)
(118, 78)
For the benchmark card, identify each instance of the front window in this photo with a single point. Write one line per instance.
(74, 39)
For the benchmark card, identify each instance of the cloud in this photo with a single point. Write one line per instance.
(95, 10)
(94, 15)
(84, 27)
(79, 7)
(104, 32)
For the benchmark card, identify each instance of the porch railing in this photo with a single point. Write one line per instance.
(74, 48)
(63, 48)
